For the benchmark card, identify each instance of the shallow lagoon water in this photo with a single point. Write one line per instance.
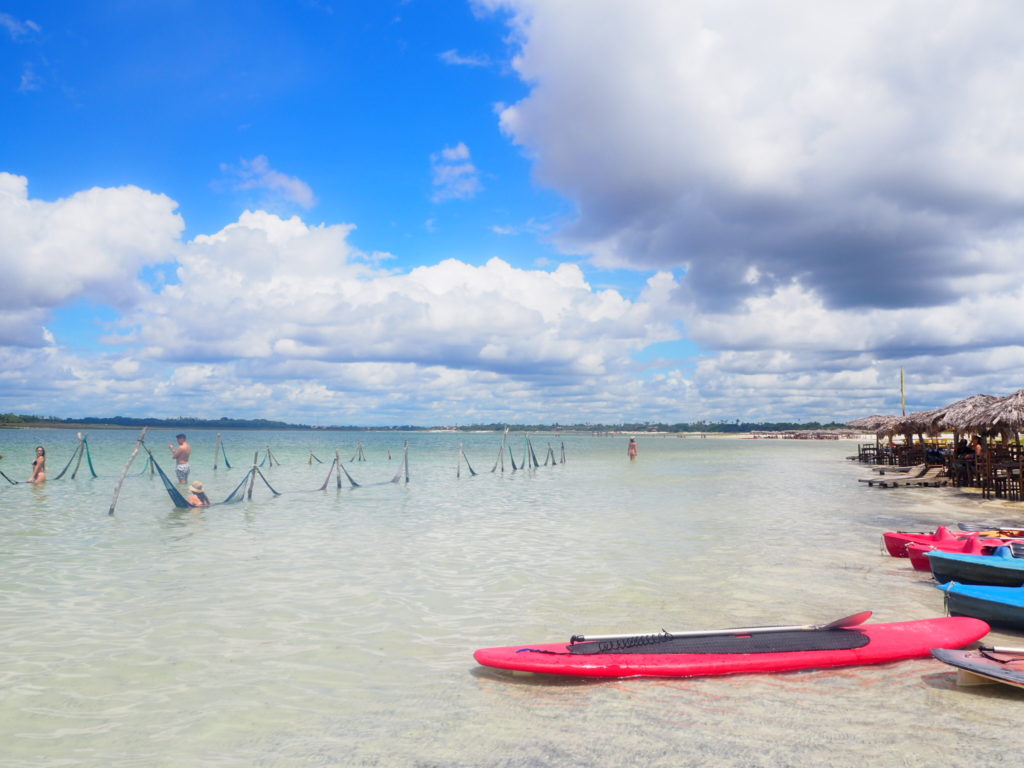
(337, 627)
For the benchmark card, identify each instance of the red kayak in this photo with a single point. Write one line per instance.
(972, 545)
(670, 655)
(896, 541)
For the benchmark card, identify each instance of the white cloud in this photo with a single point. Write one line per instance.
(453, 57)
(275, 317)
(754, 144)
(277, 188)
(282, 291)
(17, 28)
(454, 175)
(91, 244)
(30, 81)
(840, 186)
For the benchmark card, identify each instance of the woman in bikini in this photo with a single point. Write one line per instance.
(39, 466)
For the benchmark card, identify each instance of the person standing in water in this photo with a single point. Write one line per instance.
(181, 454)
(39, 466)
(632, 449)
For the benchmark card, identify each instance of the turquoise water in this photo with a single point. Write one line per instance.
(337, 627)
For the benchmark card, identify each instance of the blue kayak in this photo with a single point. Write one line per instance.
(1000, 568)
(996, 605)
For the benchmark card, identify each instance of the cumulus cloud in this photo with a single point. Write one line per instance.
(757, 144)
(839, 187)
(454, 175)
(277, 188)
(286, 319)
(274, 316)
(91, 244)
(280, 291)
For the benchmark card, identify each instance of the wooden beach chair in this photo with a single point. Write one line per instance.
(918, 470)
(933, 476)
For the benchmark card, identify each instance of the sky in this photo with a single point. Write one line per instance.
(437, 212)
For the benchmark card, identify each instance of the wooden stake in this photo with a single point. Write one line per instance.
(124, 472)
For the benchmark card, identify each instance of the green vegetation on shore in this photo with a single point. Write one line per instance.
(188, 422)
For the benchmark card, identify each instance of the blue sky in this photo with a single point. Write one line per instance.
(508, 210)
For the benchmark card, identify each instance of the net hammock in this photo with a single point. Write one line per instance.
(81, 451)
(238, 494)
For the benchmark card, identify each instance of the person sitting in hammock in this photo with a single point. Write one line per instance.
(198, 497)
(39, 466)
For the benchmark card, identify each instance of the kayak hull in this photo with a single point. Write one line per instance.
(995, 605)
(972, 545)
(998, 569)
(887, 642)
(1003, 668)
(896, 541)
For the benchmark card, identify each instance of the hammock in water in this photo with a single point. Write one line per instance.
(81, 451)
(234, 497)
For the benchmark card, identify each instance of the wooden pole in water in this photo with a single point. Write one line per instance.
(216, 451)
(124, 472)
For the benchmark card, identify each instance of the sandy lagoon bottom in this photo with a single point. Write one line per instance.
(337, 627)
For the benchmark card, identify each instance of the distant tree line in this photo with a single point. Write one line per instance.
(698, 426)
(186, 422)
(182, 422)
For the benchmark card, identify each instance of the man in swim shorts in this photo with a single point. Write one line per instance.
(181, 453)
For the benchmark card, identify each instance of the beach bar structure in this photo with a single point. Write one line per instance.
(997, 421)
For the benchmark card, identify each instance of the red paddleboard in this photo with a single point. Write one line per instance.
(866, 644)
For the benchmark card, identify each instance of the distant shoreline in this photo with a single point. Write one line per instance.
(754, 434)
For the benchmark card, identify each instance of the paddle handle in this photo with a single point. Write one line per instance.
(1001, 649)
(698, 633)
(846, 621)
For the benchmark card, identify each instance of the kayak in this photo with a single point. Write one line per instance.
(1000, 568)
(984, 665)
(972, 545)
(679, 656)
(995, 605)
(896, 542)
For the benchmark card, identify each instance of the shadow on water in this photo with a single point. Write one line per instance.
(533, 679)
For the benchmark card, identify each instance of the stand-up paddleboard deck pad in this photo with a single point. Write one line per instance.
(984, 666)
(728, 654)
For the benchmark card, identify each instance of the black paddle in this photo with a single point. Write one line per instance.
(847, 621)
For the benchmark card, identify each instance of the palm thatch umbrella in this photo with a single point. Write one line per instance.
(919, 423)
(1006, 415)
(869, 423)
(958, 415)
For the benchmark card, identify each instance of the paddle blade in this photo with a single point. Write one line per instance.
(853, 620)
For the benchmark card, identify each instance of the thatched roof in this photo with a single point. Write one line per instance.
(958, 415)
(1005, 413)
(913, 423)
(869, 423)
